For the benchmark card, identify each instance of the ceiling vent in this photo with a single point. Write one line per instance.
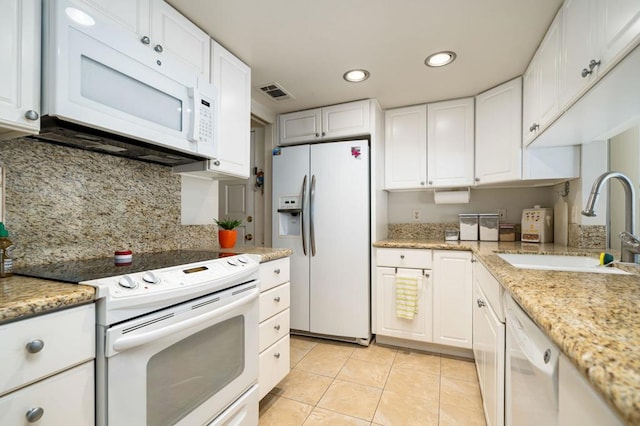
(276, 92)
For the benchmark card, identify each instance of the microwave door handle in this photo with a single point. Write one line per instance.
(129, 342)
(191, 115)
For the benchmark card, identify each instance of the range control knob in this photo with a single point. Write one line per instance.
(243, 259)
(151, 278)
(232, 262)
(127, 282)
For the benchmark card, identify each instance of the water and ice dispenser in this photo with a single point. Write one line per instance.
(289, 215)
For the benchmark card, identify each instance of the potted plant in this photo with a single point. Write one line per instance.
(227, 234)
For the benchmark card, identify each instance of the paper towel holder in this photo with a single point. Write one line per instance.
(449, 196)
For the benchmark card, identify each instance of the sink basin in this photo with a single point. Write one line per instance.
(552, 262)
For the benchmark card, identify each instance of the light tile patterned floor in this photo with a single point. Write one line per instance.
(335, 383)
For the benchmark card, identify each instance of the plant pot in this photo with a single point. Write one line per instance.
(227, 238)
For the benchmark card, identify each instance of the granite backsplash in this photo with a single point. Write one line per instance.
(68, 204)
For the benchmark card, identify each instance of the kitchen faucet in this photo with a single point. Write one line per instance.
(627, 249)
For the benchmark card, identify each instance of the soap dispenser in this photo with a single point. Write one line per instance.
(6, 246)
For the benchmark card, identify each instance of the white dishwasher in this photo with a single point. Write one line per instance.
(531, 371)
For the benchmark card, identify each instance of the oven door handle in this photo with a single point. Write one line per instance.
(127, 342)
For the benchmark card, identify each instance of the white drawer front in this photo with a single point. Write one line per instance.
(274, 365)
(404, 258)
(64, 399)
(68, 337)
(274, 273)
(491, 288)
(273, 329)
(274, 301)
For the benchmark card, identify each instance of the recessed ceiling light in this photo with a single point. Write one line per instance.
(440, 59)
(355, 76)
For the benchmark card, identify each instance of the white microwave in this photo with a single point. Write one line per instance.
(105, 93)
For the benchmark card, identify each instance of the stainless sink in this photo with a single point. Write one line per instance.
(553, 262)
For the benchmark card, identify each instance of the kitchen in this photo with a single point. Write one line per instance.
(87, 208)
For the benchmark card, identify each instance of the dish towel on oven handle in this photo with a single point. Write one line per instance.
(407, 295)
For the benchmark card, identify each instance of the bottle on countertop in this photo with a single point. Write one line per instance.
(6, 246)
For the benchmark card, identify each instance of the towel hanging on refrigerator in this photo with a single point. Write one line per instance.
(407, 296)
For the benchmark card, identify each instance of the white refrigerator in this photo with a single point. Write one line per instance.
(321, 202)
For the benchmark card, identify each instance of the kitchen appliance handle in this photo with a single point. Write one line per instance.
(312, 232)
(304, 196)
(192, 133)
(128, 342)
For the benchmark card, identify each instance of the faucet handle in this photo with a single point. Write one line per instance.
(629, 239)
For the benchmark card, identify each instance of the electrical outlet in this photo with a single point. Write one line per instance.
(502, 215)
(415, 215)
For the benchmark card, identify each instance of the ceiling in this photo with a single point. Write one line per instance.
(307, 45)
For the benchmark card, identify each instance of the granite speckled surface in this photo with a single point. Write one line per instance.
(23, 297)
(593, 318)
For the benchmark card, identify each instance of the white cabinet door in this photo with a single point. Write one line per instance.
(131, 15)
(499, 133)
(301, 126)
(549, 55)
(488, 350)
(452, 283)
(20, 65)
(173, 34)
(450, 143)
(232, 78)
(619, 26)
(351, 119)
(530, 103)
(388, 324)
(406, 147)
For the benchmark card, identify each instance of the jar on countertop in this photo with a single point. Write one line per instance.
(6, 247)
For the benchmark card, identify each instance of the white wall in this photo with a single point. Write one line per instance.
(514, 200)
(624, 157)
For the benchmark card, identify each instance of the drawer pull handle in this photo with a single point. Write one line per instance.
(34, 414)
(276, 355)
(481, 303)
(277, 327)
(276, 299)
(276, 271)
(35, 346)
(402, 256)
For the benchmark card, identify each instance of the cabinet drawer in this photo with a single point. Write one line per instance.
(274, 365)
(65, 399)
(274, 301)
(68, 339)
(274, 273)
(404, 258)
(491, 288)
(273, 329)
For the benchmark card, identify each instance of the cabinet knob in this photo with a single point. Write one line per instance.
(35, 346)
(477, 179)
(430, 182)
(277, 327)
(317, 135)
(145, 40)
(216, 163)
(276, 355)
(34, 414)
(586, 72)
(547, 356)
(31, 115)
(534, 127)
(158, 48)
(276, 271)
(422, 183)
(324, 133)
(276, 299)
(481, 303)
(402, 256)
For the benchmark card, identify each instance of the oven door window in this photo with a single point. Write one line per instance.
(189, 372)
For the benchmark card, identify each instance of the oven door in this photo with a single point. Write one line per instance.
(183, 365)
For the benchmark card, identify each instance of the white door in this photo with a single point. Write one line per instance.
(406, 147)
(345, 120)
(549, 55)
(302, 126)
(620, 26)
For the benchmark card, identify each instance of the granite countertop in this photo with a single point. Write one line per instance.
(593, 318)
(23, 297)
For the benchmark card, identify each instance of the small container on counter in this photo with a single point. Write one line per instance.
(507, 232)
(468, 226)
(123, 257)
(6, 246)
(488, 226)
(451, 234)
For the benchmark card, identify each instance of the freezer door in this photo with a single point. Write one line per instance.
(290, 166)
(340, 239)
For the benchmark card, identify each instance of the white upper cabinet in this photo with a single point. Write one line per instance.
(450, 142)
(20, 66)
(332, 122)
(232, 78)
(498, 133)
(541, 83)
(406, 147)
(620, 28)
(156, 25)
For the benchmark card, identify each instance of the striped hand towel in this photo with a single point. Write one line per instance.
(406, 296)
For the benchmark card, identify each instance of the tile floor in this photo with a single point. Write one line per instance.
(333, 383)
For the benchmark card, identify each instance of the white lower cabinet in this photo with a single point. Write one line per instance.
(273, 330)
(488, 344)
(50, 360)
(452, 276)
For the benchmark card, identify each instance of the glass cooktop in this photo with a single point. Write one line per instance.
(90, 269)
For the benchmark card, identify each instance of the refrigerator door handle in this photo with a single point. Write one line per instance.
(312, 233)
(304, 197)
